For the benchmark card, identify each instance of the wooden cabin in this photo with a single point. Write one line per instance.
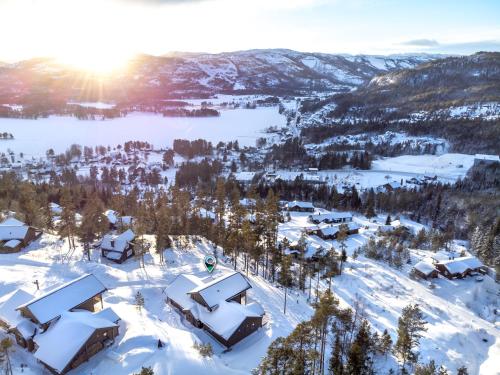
(297, 206)
(83, 293)
(459, 268)
(331, 218)
(424, 270)
(218, 306)
(85, 333)
(118, 248)
(12, 322)
(15, 235)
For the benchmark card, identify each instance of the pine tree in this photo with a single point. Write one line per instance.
(336, 365)
(385, 343)
(5, 348)
(67, 226)
(388, 220)
(93, 224)
(139, 301)
(410, 326)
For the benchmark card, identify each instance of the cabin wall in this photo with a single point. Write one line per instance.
(249, 326)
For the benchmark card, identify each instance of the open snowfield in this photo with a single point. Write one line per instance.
(35, 137)
(447, 168)
(461, 327)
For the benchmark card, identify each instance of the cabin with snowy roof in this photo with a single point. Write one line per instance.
(83, 293)
(64, 326)
(425, 270)
(82, 333)
(331, 218)
(15, 235)
(118, 248)
(460, 268)
(298, 206)
(218, 306)
(11, 320)
(330, 232)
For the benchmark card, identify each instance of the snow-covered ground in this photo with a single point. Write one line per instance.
(447, 168)
(35, 137)
(461, 326)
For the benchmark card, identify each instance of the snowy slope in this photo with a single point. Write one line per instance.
(459, 329)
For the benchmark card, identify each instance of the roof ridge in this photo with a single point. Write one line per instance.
(57, 289)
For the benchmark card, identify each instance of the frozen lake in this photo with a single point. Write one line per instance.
(34, 137)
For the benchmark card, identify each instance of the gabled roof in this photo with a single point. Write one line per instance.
(63, 340)
(112, 216)
(13, 232)
(179, 288)
(228, 317)
(331, 216)
(64, 298)
(300, 204)
(9, 303)
(460, 265)
(222, 288)
(119, 242)
(12, 222)
(424, 267)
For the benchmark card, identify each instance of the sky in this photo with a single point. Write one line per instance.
(114, 29)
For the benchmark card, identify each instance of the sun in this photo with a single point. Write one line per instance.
(97, 60)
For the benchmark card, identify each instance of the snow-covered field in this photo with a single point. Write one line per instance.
(459, 330)
(35, 137)
(447, 168)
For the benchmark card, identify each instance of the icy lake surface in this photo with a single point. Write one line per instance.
(34, 137)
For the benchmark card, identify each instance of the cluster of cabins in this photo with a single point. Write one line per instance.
(63, 327)
(218, 306)
(16, 235)
(449, 266)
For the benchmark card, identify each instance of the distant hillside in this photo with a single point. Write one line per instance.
(178, 75)
(454, 87)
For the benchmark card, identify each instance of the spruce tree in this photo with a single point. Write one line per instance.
(411, 324)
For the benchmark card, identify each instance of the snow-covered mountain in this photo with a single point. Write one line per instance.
(276, 71)
(450, 88)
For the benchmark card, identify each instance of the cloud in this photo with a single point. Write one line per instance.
(459, 48)
(421, 43)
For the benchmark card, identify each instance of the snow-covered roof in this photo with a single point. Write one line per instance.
(12, 243)
(127, 220)
(228, 316)
(72, 330)
(222, 288)
(119, 242)
(487, 157)
(109, 314)
(331, 216)
(460, 265)
(9, 303)
(179, 288)
(300, 204)
(244, 176)
(443, 256)
(26, 328)
(424, 267)
(246, 202)
(11, 221)
(13, 232)
(112, 216)
(64, 298)
(55, 208)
